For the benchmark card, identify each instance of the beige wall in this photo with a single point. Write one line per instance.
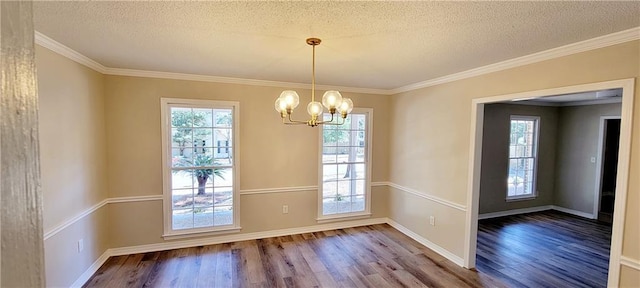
(430, 135)
(73, 163)
(272, 155)
(495, 156)
(577, 143)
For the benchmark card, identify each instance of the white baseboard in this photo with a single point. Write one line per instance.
(444, 252)
(574, 212)
(535, 209)
(242, 237)
(92, 269)
(514, 212)
(259, 235)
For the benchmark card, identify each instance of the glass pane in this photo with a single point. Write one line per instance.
(343, 204)
(223, 118)
(329, 172)
(203, 217)
(182, 198)
(223, 177)
(181, 179)
(345, 187)
(357, 204)
(345, 139)
(329, 157)
(223, 196)
(202, 117)
(181, 117)
(332, 135)
(222, 137)
(342, 171)
(329, 189)
(181, 137)
(223, 156)
(223, 215)
(182, 219)
(360, 187)
(328, 206)
(181, 157)
(202, 137)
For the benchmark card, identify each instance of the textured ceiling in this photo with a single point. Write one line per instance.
(381, 45)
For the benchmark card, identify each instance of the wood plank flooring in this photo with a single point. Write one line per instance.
(544, 249)
(368, 256)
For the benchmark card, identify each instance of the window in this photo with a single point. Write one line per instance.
(523, 154)
(200, 166)
(345, 170)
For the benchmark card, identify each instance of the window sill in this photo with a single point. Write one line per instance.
(187, 234)
(516, 199)
(343, 217)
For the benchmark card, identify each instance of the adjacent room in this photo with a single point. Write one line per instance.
(320, 144)
(547, 188)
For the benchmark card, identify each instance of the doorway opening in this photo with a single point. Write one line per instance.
(621, 183)
(608, 168)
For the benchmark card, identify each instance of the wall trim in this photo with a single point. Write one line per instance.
(574, 48)
(278, 190)
(134, 199)
(435, 247)
(92, 269)
(429, 197)
(55, 46)
(514, 212)
(241, 237)
(115, 200)
(231, 80)
(260, 235)
(630, 262)
(573, 212)
(535, 209)
(75, 219)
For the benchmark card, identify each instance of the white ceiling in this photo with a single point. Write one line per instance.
(381, 45)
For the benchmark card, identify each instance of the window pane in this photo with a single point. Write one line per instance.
(223, 177)
(202, 217)
(182, 198)
(223, 118)
(223, 156)
(223, 215)
(181, 157)
(181, 117)
(181, 137)
(329, 189)
(181, 179)
(202, 137)
(202, 117)
(223, 196)
(182, 219)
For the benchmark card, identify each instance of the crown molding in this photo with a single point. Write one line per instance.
(55, 46)
(574, 48)
(231, 80)
(582, 46)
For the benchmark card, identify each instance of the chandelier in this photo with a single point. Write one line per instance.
(332, 100)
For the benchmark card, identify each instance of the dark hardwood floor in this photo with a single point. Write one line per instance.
(369, 256)
(544, 249)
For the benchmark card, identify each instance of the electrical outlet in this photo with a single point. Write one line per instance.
(80, 245)
(432, 220)
(285, 209)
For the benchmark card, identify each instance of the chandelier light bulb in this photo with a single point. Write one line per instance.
(346, 106)
(314, 108)
(280, 105)
(331, 99)
(290, 98)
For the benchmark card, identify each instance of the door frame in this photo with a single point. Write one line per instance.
(600, 162)
(622, 179)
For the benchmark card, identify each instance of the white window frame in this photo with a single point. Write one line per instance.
(536, 136)
(368, 112)
(166, 105)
